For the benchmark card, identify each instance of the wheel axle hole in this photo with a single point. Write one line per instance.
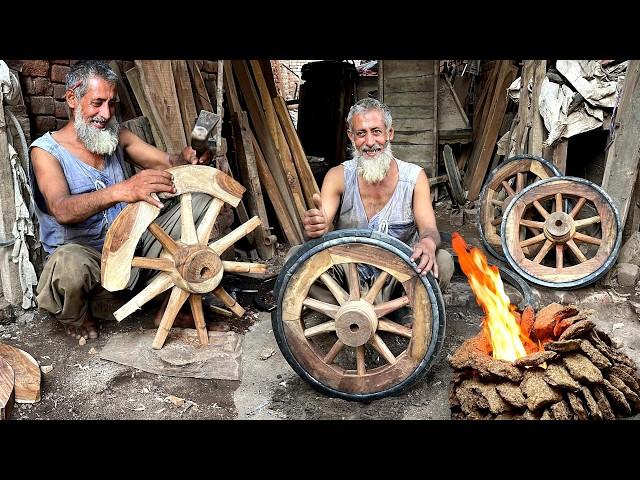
(205, 271)
(354, 327)
(558, 223)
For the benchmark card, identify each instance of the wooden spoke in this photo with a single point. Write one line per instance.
(581, 237)
(578, 206)
(377, 286)
(587, 221)
(382, 349)
(176, 300)
(220, 245)
(531, 223)
(165, 240)
(187, 227)
(198, 317)
(335, 350)
(325, 308)
(360, 360)
(385, 325)
(497, 203)
(559, 202)
(353, 280)
(325, 327)
(532, 240)
(336, 290)
(508, 188)
(520, 179)
(162, 264)
(576, 251)
(244, 267)
(543, 251)
(158, 285)
(385, 308)
(229, 301)
(541, 209)
(496, 221)
(559, 255)
(208, 220)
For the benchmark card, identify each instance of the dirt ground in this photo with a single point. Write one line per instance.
(80, 385)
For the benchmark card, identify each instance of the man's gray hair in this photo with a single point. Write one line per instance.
(366, 105)
(80, 73)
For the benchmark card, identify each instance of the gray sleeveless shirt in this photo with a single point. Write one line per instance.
(395, 218)
(81, 178)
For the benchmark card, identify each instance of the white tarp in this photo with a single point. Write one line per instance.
(590, 80)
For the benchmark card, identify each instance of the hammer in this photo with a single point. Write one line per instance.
(201, 133)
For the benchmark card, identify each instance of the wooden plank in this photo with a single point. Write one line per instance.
(305, 175)
(434, 126)
(267, 147)
(413, 137)
(422, 83)
(219, 108)
(141, 127)
(400, 112)
(451, 116)
(125, 104)
(249, 171)
(483, 150)
(267, 73)
(419, 154)
(9, 274)
(184, 92)
(537, 125)
(26, 371)
(481, 109)
(521, 139)
(7, 389)
(134, 80)
(156, 78)
(273, 192)
(200, 94)
(406, 68)
(621, 169)
(560, 155)
(409, 99)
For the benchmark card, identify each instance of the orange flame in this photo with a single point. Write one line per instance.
(500, 324)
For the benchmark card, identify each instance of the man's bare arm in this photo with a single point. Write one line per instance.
(318, 221)
(424, 251)
(67, 208)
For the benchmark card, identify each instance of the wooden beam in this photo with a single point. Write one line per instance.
(133, 75)
(184, 93)
(537, 125)
(621, 168)
(200, 94)
(125, 104)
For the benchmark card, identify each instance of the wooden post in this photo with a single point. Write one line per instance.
(219, 87)
(621, 168)
(537, 125)
(9, 274)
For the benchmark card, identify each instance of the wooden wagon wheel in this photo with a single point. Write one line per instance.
(188, 265)
(568, 257)
(453, 174)
(503, 183)
(351, 348)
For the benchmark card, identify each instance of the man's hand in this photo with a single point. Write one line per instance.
(424, 255)
(315, 220)
(188, 156)
(143, 184)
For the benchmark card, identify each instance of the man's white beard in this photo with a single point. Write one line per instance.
(96, 140)
(373, 170)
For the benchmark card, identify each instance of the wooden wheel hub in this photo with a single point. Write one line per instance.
(197, 263)
(559, 227)
(356, 323)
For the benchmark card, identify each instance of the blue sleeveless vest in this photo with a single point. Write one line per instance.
(81, 178)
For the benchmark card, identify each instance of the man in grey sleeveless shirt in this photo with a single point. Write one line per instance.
(79, 183)
(378, 191)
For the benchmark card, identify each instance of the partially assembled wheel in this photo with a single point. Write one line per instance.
(503, 183)
(355, 346)
(562, 232)
(189, 266)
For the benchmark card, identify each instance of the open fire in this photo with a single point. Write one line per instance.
(505, 373)
(502, 323)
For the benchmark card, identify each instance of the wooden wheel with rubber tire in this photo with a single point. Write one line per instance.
(351, 346)
(189, 266)
(565, 256)
(503, 183)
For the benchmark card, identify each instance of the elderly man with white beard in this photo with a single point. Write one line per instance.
(375, 190)
(78, 179)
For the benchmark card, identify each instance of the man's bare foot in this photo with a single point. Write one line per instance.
(88, 329)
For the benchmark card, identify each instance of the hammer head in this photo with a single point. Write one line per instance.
(201, 132)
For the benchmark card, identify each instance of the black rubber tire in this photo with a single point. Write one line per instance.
(391, 244)
(457, 190)
(592, 277)
(483, 194)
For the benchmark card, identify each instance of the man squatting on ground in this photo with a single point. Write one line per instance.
(78, 179)
(375, 190)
